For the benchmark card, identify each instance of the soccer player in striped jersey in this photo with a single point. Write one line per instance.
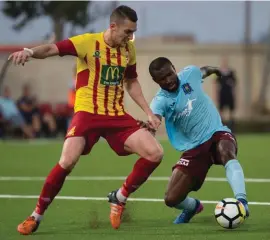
(106, 62)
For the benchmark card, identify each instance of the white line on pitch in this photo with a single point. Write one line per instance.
(7, 196)
(111, 178)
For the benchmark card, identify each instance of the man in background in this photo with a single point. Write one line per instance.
(29, 110)
(11, 114)
(225, 89)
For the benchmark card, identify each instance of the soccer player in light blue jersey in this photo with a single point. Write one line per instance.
(194, 127)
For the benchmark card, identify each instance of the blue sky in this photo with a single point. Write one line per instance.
(211, 21)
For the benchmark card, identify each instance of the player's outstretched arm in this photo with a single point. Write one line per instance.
(40, 52)
(134, 90)
(207, 71)
(44, 51)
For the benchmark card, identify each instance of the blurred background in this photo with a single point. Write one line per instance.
(37, 100)
(232, 35)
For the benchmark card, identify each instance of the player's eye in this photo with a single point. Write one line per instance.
(129, 31)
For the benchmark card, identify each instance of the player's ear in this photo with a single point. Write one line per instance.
(113, 25)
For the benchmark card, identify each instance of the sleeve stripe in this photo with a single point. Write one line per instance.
(66, 47)
(131, 71)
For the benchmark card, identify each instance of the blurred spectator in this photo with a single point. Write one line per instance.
(226, 91)
(29, 110)
(48, 122)
(10, 114)
(28, 106)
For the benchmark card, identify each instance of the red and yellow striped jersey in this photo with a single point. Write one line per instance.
(100, 72)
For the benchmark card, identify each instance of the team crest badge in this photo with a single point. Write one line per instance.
(96, 54)
(187, 88)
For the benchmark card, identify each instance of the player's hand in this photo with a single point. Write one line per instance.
(154, 121)
(20, 57)
(146, 125)
(143, 124)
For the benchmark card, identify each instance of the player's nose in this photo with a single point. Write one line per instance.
(130, 37)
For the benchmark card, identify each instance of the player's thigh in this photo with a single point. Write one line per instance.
(143, 143)
(71, 152)
(196, 163)
(179, 186)
(125, 137)
(80, 138)
(226, 147)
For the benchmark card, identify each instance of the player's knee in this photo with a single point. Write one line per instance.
(67, 164)
(155, 154)
(226, 155)
(72, 150)
(227, 152)
(172, 200)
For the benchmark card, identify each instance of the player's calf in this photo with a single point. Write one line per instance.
(71, 151)
(227, 150)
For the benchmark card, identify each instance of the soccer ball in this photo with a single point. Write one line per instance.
(230, 213)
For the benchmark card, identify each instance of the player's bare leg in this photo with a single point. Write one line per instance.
(176, 196)
(151, 153)
(226, 150)
(72, 149)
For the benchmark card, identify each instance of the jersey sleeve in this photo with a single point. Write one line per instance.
(195, 73)
(158, 105)
(192, 74)
(131, 70)
(75, 46)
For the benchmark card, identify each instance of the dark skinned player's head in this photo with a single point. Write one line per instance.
(163, 73)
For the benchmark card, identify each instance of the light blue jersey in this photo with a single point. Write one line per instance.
(191, 117)
(8, 108)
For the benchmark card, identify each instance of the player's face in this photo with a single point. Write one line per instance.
(123, 32)
(167, 78)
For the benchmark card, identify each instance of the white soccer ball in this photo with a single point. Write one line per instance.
(230, 213)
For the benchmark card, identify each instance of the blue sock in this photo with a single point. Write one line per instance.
(236, 179)
(188, 204)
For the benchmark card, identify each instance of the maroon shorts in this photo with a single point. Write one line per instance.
(115, 129)
(197, 161)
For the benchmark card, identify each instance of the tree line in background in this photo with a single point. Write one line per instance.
(61, 13)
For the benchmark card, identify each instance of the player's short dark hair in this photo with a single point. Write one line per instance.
(123, 12)
(157, 64)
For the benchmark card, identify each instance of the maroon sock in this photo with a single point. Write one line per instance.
(142, 169)
(51, 188)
